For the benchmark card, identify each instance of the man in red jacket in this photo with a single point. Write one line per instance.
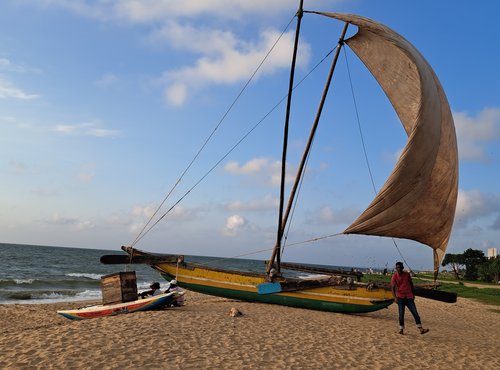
(402, 289)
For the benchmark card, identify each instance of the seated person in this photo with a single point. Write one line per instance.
(174, 288)
(155, 290)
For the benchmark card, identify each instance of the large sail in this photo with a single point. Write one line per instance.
(418, 199)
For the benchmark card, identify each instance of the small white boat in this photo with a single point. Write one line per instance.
(151, 303)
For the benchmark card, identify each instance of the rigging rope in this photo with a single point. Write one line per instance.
(145, 232)
(295, 203)
(269, 249)
(359, 123)
(364, 147)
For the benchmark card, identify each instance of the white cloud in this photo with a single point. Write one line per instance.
(57, 219)
(176, 94)
(129, 222)
(261, 168)
(8, 120)
(178, 213)
(135, 227)
(475, 133)
(107, 80)
(158, 10)
(233, 225)
(256, 205)
(7, 90)
(86, 177)
(9, 66)
(17, 167)
(44, 192)
(4, 63)
(85, 225)
(224, 59)
(15, 122)
(328, 216)
(71, 221)
(85, 129)
(473, 205)
(253, 166)
(100, 9)
(154, 11)
(144, 211)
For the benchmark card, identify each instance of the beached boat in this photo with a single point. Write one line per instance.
(146, 304)
(417, 201)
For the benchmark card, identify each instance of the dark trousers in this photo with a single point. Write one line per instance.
(410, 303)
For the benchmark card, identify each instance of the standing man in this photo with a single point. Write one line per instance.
(402, 289)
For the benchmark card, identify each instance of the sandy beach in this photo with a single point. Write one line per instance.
(202, 335)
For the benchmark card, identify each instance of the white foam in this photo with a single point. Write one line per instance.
(57, 297)
(24, 281)
(88, 276)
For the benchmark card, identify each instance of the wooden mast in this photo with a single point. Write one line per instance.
(283, 219)
(276, 250)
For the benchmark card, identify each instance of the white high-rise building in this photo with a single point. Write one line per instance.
(492, 252)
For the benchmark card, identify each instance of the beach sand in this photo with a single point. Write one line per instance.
(202, 335)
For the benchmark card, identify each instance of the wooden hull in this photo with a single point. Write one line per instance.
(244, 286)
(90, 312)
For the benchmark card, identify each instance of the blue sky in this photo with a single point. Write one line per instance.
(103, 104)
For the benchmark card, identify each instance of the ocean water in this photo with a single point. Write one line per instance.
(45, 274)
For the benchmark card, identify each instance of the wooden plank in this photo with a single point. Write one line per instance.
(320, 270)
(119, 287)
(296, 285)
(128, 286)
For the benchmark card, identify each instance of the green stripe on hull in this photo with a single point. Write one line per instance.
(285, 300)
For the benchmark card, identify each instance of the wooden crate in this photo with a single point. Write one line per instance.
(119, 287)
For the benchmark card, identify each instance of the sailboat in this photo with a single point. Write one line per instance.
(417, 201)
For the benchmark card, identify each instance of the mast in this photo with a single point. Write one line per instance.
(283, 219)
(276, 250)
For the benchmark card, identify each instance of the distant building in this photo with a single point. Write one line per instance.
(492, 252)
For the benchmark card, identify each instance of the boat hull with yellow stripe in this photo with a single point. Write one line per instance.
(356, 298)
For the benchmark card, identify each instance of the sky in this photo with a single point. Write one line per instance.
(106, 106)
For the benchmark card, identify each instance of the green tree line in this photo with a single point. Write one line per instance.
(477, 265)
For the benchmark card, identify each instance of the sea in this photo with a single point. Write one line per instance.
(47, 274)
(44, 274)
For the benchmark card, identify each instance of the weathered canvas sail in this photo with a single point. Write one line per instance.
(418, 200)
